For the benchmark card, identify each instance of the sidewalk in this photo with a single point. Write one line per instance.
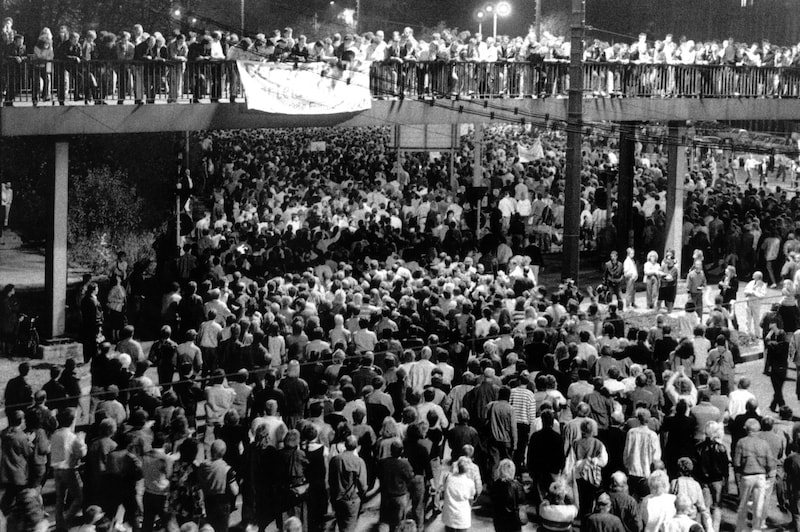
(23, 266)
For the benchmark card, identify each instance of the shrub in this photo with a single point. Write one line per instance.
(105, 216)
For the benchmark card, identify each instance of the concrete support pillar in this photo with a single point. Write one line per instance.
(677, 166)
(627, 161)
(574, 159)
(55, 276)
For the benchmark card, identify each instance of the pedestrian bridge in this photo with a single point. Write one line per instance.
(104, 98)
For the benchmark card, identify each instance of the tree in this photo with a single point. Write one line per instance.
(30, 16)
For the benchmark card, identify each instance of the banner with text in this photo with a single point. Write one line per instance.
(305, 88)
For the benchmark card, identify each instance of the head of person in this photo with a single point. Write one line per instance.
(293, 524)
(658, 482)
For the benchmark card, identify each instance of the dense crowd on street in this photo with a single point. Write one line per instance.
(339, 325)
(98, 66)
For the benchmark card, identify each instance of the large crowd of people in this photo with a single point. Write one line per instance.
(98, 66)
(340, 324)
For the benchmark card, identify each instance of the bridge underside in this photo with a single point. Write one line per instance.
(132, 119)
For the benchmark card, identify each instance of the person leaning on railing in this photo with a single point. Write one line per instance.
(68, 56)
(177, 53)
(200, 55)
(15, 57)
(125, 53)
(42, 67)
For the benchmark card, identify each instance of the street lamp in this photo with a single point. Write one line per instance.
(480, 15)
(500, 9)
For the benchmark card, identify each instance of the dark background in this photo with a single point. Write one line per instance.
(776, 20)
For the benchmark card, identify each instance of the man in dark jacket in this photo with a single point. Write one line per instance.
(91, 322)
(14, 55)
(18, 395)
(17, 450)
(545, 455)
(200, 51)
(145, 78)
(68, 56)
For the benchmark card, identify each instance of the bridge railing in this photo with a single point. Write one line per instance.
(171, 81)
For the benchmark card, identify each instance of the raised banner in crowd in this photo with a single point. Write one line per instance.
(534, 152)
(305, 88)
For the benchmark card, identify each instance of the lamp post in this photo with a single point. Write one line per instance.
(241, 17)
(501, 9)
(479, 16)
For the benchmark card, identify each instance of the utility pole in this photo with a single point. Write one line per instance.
(572, 193)
(539, 20)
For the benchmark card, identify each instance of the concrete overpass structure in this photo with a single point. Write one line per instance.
(60, 122)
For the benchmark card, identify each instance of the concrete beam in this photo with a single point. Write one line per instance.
(55, 266)
(124, 119)
(627, 161)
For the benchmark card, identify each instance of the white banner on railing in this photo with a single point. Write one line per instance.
(305, 88)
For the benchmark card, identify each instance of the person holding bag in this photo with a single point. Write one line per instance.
(509, 511)
(585, 462)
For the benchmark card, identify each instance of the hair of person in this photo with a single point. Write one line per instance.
(218, 449)
(685, 466)
(66, 417)
(714, 430)
(468, 450)
(505, 470)
(557, 493)
(658, 482)
(752, 425)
